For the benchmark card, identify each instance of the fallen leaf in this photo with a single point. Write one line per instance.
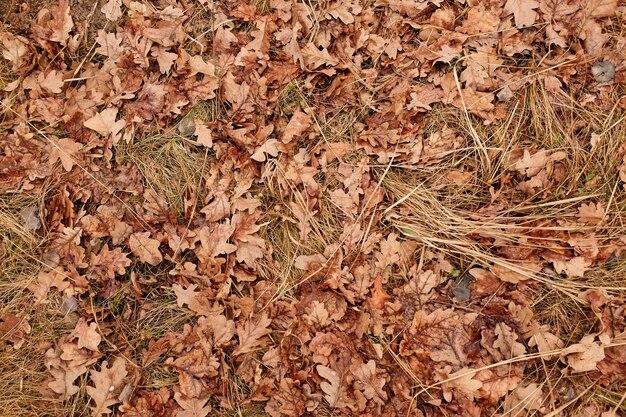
(145, 248)
(107, 385)
(251, 332)
(66, 150)
(332, 387)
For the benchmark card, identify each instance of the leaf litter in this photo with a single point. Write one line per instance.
(293, 208)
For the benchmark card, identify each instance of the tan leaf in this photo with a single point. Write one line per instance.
(203, 133)
(379, 295)
(145, 248)
(55, 24)
(507, 342)
(66, 150)
(14, 50)
(574, 268)
(389, 251)
(192, 407)
(52, 82)
(316, 314)
(462, 380)
(107, 385)
(45, 281)
(370, 383)
(523, 11)
(112, 9)
(268, 148)
(110, 44)
(584, 356)
(88, 336)
(591, 214)
(104, 122)
(298, 124)
(251, 332)
(333, 388)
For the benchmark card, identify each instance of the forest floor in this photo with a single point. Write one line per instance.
(313, 207)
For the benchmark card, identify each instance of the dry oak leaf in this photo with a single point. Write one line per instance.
(203, 133)
(574, 268)
(333, 388)
(316, 314)
(379, 296)
(65, 150)
(585, 355)
(14, 50)
(104, 123)
(52, 82)
(251, 332)
(45, 281)
(192, 407)
(268, 148)
(591, 214)
(523, 11)
(87, 335)
(112, 9)
(461, 380)
(370, 383)
(298, 124)
(108, 384)
(54, 24)
(145, 248)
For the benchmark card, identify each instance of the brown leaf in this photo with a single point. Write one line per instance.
(592, 214)
(107, 385)
(523, 11)
(66, 150)
(379, 296)
(268, 148)
(145, 248)
(192, 407)
(251, 332)
(112, 9)
(333, 388)
(87, 335)
(298, 124)
(585, 355)
(104, 123)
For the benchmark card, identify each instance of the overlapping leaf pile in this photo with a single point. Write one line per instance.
(335, 250)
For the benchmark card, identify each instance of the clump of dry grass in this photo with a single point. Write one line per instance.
(22, 368)
(442, 216)
(170, 166)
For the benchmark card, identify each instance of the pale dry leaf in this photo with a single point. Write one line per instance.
(203, 133)
(107, 385)
(145, 248)
(251, 332)
(298, 124)
(370, 383)
(333, 388)
(574, 268)
(585, 355)
(65, 150)
(268, 148)
(104, 122)
(112, 10)
(463, 381)
(51, 82)
(316, 314)
(523, 11)
(192, 407)
(592, 214)
(87, 335)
